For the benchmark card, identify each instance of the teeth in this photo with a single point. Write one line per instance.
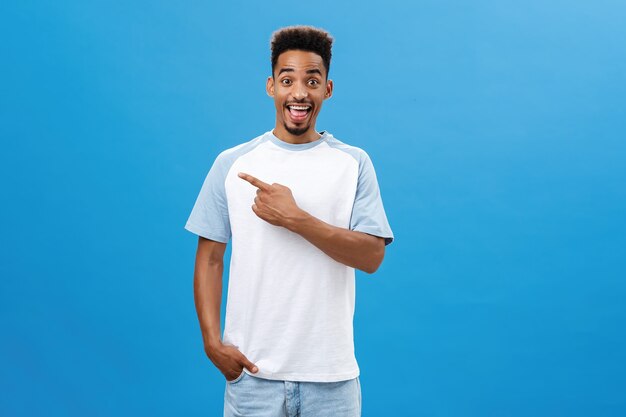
(299, 107)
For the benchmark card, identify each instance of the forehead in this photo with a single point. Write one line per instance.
(300, 61)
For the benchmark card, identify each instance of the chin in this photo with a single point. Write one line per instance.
(297, 131)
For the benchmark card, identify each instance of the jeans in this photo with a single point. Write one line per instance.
(250, 396)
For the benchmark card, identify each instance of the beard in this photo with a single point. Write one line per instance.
(296, 131)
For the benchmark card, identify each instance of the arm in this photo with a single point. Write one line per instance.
(355, 249)
(275, 204)
(207, 285)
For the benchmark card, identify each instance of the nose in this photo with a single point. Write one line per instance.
(300, 92)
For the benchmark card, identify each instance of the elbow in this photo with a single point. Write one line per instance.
(216, 263)
(370, 269)
(374, 261)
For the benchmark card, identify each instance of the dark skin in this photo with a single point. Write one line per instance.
(299, 78)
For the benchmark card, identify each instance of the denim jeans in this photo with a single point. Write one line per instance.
(250, 396)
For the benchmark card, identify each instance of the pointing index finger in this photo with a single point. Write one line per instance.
(254, 181)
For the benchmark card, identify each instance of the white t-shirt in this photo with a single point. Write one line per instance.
(290, 306)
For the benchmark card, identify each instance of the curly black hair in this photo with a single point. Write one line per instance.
(303, 38)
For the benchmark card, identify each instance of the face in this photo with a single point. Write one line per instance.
(299, 87)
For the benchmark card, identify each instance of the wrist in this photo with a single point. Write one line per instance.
(296, 222)
(212, 342)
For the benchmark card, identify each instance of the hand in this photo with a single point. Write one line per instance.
(273, 203)
(229, 360)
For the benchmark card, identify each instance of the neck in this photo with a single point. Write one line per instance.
(309, 136)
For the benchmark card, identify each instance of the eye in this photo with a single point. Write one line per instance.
(313, 82)
(285, 81)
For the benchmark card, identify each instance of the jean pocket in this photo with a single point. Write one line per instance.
(234, 381)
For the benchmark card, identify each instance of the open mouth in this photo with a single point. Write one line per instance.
(298, 112)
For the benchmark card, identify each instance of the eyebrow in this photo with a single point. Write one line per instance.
(311, 71)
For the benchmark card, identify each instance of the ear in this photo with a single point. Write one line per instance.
(269, 86)
(329, 89)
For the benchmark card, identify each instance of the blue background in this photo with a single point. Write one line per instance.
(497, 129)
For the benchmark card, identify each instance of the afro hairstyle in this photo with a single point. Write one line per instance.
(303, 38)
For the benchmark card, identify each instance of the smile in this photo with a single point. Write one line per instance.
(298, 112)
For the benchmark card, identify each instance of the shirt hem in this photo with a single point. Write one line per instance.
(195, 229)
(375, 232)
(299, 377)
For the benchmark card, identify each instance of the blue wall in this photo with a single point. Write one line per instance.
(498, 133)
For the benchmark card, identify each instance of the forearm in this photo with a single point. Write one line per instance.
(355, 249)
(275, 204)
(207, 290)
(208, 297)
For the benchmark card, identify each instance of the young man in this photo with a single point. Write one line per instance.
(303, 210)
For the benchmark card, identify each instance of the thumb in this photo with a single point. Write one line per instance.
(248, 365)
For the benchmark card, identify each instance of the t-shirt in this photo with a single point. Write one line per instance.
(290, 307)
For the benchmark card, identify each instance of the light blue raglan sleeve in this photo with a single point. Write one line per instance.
(209, 216)
(368, 213)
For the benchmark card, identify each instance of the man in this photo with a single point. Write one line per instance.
(303, 210)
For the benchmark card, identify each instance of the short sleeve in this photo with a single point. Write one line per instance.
(209, 216)
(368, 213)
